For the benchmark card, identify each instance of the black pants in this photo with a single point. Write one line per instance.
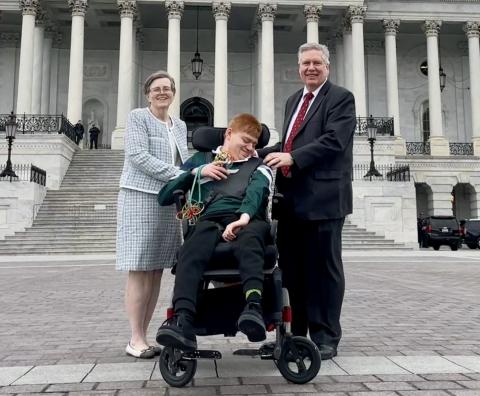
(93, 141)
(310, 256)
(196, 252)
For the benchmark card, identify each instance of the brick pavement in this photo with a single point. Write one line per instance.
(411, 327)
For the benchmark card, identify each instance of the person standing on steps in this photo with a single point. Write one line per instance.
(94, 132)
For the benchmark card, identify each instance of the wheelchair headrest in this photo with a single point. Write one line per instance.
(208, 138)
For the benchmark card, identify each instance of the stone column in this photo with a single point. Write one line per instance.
(266, 12)
(175, 12)
(47, 49)
(347, 54)
(136, 36)
(357, 16)
(9, 44)
(57, 43)
(38, 37)
(221, 12)
(312, 15)
(124, 96)
(340, 59)
(472, 29)
(393, 110)
(24, 96)
(258, 62)
(75, 75)
(438, 143)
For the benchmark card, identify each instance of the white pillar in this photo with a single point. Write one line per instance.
(135, 60)
(266, 12)
(53, 106)
(312, 15)
(357, 15)
(124, 93)
(472, 29)
(24, 96)
(259, 70)
(347, 54)
(175, 11)
(46, 62)
(221, 12)
(38, 37)
(339, 59)
(75, 75)
(438, 144)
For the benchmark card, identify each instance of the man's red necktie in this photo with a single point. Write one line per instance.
(295, 128)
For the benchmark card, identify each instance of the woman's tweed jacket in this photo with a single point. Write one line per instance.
(148, 235)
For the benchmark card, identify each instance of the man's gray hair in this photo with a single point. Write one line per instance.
(315, 46)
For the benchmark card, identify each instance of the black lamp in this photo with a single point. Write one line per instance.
(10, 132)
(197, 61)
(372, 136)
(443, 79)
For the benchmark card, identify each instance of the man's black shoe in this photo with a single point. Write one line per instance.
(251, 322)
(327, 351)
(178, 332)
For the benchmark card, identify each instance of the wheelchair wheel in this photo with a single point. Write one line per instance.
(300, 360)
(176, 372)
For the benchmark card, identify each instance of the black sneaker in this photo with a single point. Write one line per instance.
(251, 322)
(177, 332)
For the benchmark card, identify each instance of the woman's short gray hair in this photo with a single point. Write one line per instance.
(154, 76)
(315, 46)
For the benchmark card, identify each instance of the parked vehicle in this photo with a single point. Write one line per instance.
(471, 233)
(441, 230)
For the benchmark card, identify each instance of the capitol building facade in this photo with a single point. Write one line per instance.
(413, 66)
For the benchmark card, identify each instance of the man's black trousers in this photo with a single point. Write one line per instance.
(310, 257)
(196, 252)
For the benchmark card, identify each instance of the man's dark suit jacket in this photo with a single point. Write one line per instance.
(321, 184)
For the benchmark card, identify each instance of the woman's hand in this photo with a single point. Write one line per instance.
(232, 229)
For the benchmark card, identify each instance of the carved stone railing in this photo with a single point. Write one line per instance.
(384, 126)
(40, 124)
(418, 148)
(393, 172)
(461, 148)
(26, 172)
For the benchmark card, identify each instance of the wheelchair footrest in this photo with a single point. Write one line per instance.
(202, 354)
(247, 352)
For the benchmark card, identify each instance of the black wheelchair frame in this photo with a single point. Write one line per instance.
(218, 309)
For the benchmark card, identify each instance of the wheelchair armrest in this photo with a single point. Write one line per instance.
(180, 199)
(277, 205)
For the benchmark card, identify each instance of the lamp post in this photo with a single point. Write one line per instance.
(372, 136)
(197, 61)
(10, 131)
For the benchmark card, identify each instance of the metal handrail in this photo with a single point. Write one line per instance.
(384, 126)
(26, 172)
(389, 172)
(41, 124)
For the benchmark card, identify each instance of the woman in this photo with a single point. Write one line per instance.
(147, 234)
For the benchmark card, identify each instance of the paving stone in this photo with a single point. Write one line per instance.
(382, 393)
(424, 393)
(368, 365)
(70, 387)
(401, 377)
(22, 389)
(120, 385)
(243, 389)
(427, 364)
(40, 394)
(330, 367)
(220, 381)
(354, 378)
(464, 392)
(141, 392)
(470, 362)
(190, 391)
(92, 393)
(56, 374)
(341, 387)
(107, 372)
(445, 377)
(10, 374)
(292, 388)
(470, 384)
(388, 386)
(265, 380)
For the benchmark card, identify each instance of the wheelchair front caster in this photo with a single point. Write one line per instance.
(299, 361)
(175, 370)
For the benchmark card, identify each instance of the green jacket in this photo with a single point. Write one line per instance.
(254, 203)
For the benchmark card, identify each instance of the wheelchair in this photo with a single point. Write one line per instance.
(218, 308)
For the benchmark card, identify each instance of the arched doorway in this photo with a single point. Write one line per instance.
(464, 201)
(424, 197)
(196, 112)
(94, 113)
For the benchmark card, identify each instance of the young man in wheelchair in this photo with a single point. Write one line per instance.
(229, 190)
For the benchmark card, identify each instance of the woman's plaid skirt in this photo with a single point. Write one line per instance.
(148, 235)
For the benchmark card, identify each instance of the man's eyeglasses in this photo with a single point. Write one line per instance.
(161, 89)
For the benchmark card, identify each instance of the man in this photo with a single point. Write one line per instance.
(314, 160)
(233, 191)
(94, 132)
(79, 131)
